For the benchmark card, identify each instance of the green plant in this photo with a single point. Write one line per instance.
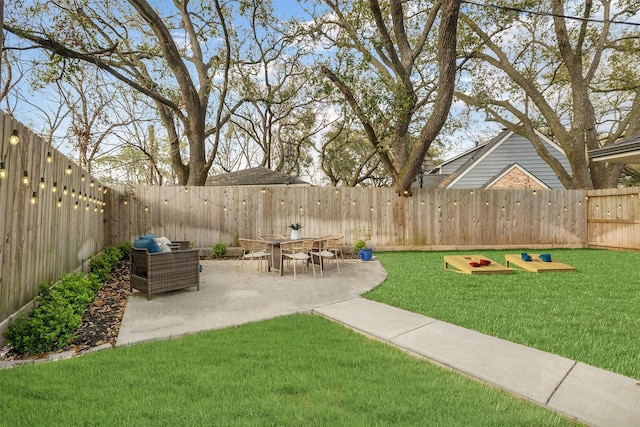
(56, 317)
(360, 237)
(219, 250)
(295, 226)
(52, 324)
(359, 244)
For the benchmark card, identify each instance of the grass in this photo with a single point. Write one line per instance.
(291, 371)
(591, 315)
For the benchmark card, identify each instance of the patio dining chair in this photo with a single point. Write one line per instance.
(254, 249)
(298, 250)
(334, 245)
(322, 255)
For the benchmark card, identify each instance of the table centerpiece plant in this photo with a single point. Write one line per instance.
(295, 230)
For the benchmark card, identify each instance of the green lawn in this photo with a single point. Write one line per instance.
(591, 315)
(291, 371)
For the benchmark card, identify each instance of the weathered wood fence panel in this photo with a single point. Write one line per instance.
(431, 218)
(42, 240)
(614, 218)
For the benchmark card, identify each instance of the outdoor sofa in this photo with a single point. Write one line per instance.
(153, 273)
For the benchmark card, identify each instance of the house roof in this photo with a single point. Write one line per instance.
(510, 168)
(471, 161)
(255, 176)
(623, 151)
(475, 152)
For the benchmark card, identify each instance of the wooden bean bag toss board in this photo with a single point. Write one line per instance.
(536, 265)
(463, 264)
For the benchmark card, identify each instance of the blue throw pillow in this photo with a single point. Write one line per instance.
(146, 243)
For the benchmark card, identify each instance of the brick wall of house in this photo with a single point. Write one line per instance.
(516, 179)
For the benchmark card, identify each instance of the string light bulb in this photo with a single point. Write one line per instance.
(65, 191)
(75, 207)
(3, 170)
(54, 187)
(34, 198)
(82, 178)
(69, 171)
(25, 178)
(49, 158)
(42, 183)
(91, 184)
(14, 139)
(59, 204)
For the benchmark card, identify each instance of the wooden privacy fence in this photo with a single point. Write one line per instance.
(613, 218)
(432, 218)
(43, 233)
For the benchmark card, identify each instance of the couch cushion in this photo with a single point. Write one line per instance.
(146, 243)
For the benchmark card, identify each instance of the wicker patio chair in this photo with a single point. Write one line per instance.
(255, 249)
(322, 250)
(164, 271)
(334, 244)
(298, 250)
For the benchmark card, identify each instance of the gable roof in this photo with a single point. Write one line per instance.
(509, 169)
(477, 167)
(623, 151)
(255, 176)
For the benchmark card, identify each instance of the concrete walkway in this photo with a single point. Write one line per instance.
(227, 298)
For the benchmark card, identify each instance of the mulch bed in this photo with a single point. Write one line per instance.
(100, 321)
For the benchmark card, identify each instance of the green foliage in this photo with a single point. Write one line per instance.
(359, 244)
(360, 237)
(102, 264)
(58, 313)
(219, 250)
(58, 309)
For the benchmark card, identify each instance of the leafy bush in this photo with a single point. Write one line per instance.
(102, 264)
(58, 309)
(219, 250)
(57, 315)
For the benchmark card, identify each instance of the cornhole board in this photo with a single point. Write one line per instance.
(461, 263)
(536, 265)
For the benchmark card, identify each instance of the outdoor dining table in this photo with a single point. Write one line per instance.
(277, 253)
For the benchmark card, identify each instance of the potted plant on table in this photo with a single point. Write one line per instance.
(361, 237)
(295, 231)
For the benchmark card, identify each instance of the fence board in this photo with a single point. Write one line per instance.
(41, 241)
(432, 217)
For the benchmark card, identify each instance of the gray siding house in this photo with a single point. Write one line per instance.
(507, 161)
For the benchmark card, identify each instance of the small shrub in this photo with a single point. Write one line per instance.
(219, 250)
(58, 309)
(56, 317)
(101, 265)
